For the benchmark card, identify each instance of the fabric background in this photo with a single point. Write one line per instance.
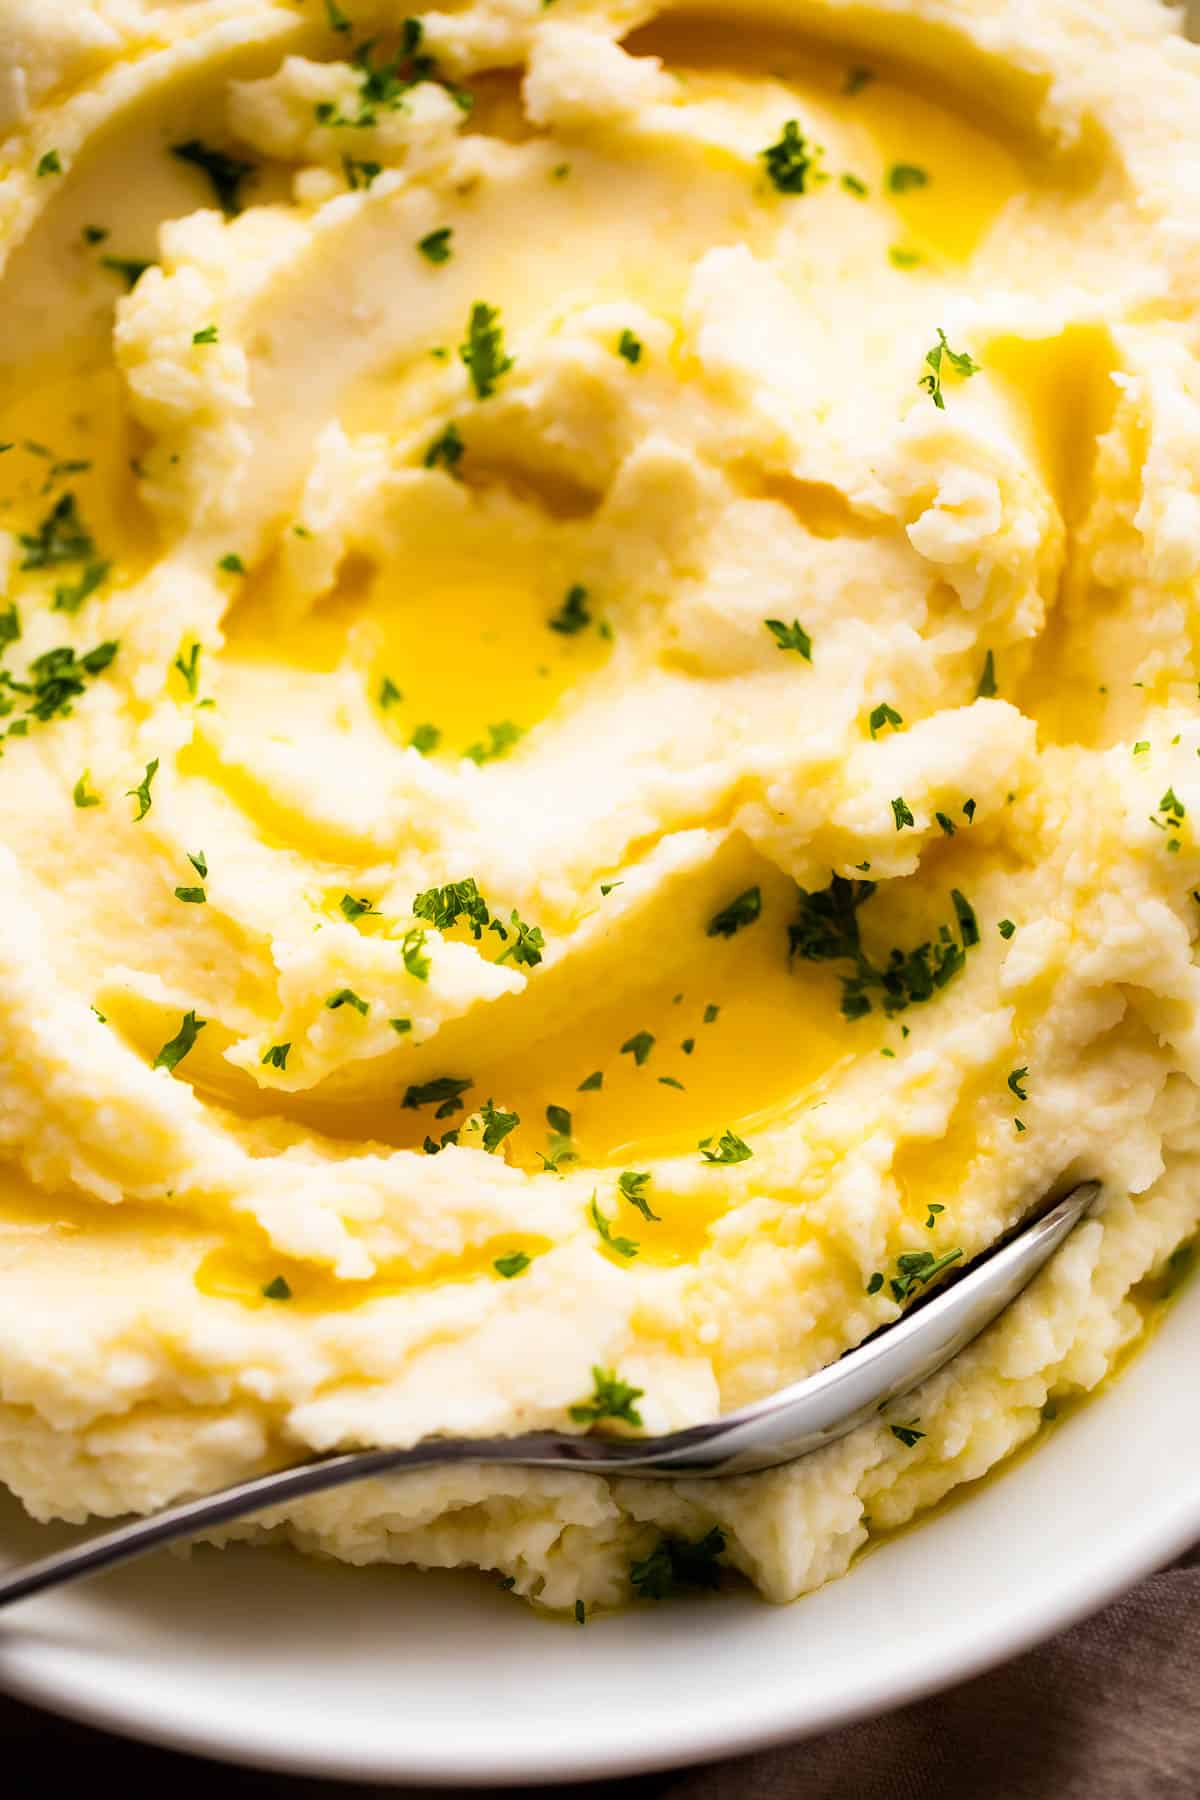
(1108, 1711)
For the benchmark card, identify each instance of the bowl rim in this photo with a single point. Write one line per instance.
(1163, 1524)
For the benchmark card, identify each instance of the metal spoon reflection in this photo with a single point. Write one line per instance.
(774, 1431)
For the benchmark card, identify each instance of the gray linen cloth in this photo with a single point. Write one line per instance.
(1107, 1711)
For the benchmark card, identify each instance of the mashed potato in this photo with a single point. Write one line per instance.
(600, 742)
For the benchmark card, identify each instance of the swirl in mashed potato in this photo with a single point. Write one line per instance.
(599, 737)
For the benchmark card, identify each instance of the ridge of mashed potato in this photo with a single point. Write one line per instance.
(600, 741)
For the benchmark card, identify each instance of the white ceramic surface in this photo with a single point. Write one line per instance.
(387, 1675)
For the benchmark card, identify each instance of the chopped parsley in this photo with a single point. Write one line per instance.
(960, 361)
(483, 350)
(226, 173)
(445, 1093)
(191, 896)
(907, 1434)
(527, 944)
(199, 862)
(496, 1125)
(1170, 817)
(632, 1185)
(730, 1149)
(711, 1013)
(435, 246)
(129, 268)
(347, 997)
(55, 679)
(501, 739)
(638, 1046)
(141, 793)
(208, 335)
(277, 1289)
(1006, 928)
(443, 907)
(516, 1264)
(401, 1026)
(630, 347)
(986, 689)
(884, 715)
(901, 813)
(50, 163)
(946, 822)
(70, 598)
(854, 186)
(611, 1399)
(917, 1268)
(446, 450)
(572, 616)
(389, 694)
(425, 739)
(413, 951)
(594, 1081)
(674, 1565)
(904, 177)
(276, 1057)
(744, 910)
(62, 537)
(176, 1048)
(353, 906)
(791, 162)
(189, 668)
(232, 563)
(80, 793)
(932, 1210)
(827, 930)
(622, 1246)
(1015, 1081)
(360, 175)
(790, 637)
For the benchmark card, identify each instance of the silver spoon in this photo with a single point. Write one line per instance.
(780, 1429)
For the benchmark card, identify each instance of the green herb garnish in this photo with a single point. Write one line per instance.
(174, 1051)
(611, 1399)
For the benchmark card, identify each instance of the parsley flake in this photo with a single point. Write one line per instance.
(638, 1046)
(791, 162)
(730, 1149)
(901, 813)
(483, 350)
(960, 361)
(790, 637)
(630, 347)
(884, 715)
(1015, 1080)
(435, 246)
(674, 1565)
(496, 1125)
(226, 173)
(80, 792)
(509, 1266)
(744, 910)
(276, 1057)
(141, 793)
(445, 1093)
(611, 1399)
(904, 177)
(176, 1048)
(632, 1186)
(347, 997)
(572, 616)
(446, 450)
(623, 1246)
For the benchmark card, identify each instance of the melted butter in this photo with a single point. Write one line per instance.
(778, 1036)
(240, 1274)
(472, 650)
(971, 171)
(461, 644)
(72, 410)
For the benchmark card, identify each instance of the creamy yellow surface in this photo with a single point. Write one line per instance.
(380, 617)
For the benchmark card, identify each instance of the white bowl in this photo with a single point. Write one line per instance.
(387, 1675)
